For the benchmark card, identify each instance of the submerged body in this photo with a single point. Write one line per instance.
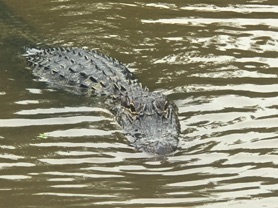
(149, 117)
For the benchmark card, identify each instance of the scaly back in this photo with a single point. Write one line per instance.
(80, 71)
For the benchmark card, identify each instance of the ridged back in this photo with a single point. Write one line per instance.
(81, 71)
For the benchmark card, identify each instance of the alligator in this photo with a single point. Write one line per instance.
(147, 116)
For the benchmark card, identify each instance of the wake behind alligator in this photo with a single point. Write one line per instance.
(149, 117)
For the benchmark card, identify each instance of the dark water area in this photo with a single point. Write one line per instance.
(217, 61)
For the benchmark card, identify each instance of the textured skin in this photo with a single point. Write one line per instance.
(80, 71)
(148, 117)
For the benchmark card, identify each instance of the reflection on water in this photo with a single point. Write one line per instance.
(217, 62)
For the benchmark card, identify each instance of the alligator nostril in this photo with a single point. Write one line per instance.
(165, 149)
(162, 150)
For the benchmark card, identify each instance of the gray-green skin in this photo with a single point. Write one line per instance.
(149, 117)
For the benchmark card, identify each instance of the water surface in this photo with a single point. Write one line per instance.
(217, 62)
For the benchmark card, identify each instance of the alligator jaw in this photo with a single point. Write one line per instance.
(161, 146)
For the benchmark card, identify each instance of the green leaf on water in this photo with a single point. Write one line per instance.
(42, 136)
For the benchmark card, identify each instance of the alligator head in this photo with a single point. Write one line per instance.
(151, 120)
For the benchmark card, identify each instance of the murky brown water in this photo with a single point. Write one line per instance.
(218, 62)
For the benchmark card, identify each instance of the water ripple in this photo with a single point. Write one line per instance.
(216, 61)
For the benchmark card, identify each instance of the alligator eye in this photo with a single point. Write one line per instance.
(132, 108)
(128, 104)
(158, 107)
(125, 101)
